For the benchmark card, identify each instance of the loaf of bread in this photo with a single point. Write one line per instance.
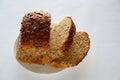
(76, 53)
(34, 37)
(61, 37)
(58, 45)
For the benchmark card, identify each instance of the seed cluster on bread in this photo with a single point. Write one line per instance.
(34, 37)
(58, 45)
(35, 29)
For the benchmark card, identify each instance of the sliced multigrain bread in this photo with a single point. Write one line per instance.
(76, 53)
(34, 37)
(61, 37)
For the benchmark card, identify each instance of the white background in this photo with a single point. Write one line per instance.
(100, 18)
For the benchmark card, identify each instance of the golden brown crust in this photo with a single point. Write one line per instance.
(34, 37)
(35, 30)
(46, 59)
(72, 59)
(29, 55)
(30, 59)
(67, 44)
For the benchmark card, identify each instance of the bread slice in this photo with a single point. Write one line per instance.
(76, 53)
(61, 37)
(34, 37)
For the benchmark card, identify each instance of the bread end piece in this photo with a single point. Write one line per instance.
(35, 29)
(34, 37)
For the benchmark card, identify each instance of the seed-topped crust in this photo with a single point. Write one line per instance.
(34, 37)
(35, 30)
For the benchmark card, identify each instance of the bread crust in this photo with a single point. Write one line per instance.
(34, 37)
(35, 29)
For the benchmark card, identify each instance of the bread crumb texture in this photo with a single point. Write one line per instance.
(77, 52)
(61, 37)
